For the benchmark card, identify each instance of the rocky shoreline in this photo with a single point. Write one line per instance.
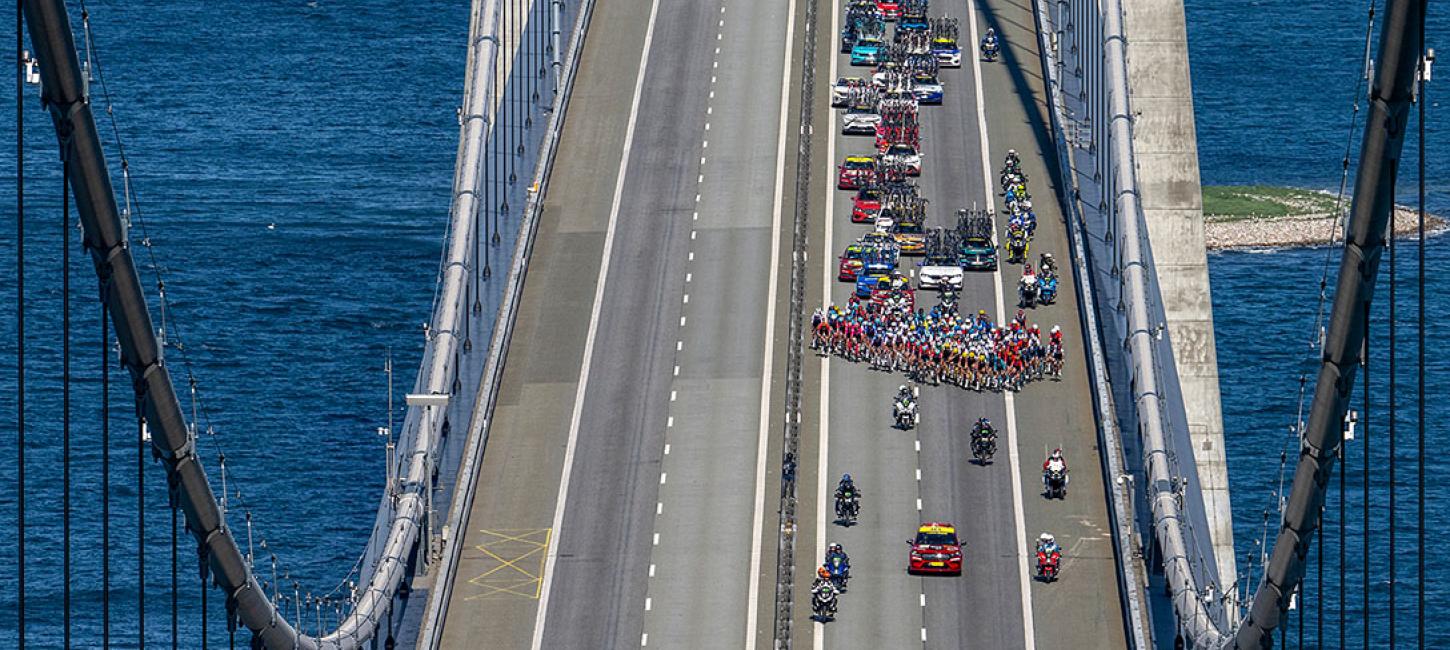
(1300, 231)
(1257, 216)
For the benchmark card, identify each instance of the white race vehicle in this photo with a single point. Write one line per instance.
(938, 273)
(904, 155)
(860, 120)
(846, 90)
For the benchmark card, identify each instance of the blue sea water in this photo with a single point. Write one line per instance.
(333, 121)
(1273, 86)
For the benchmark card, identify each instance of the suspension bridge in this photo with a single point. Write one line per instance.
(619, 436)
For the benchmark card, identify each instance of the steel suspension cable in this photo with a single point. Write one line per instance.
(65, 152)
(1391, 370)
(1319, 583)
(145, 446)
(20, 316)
(175, 588)
(1343, 515)
(106, 463)
(1364, 498)
(1420, 353)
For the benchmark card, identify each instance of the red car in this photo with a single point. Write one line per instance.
(851, 262)
(866, 205)
(935, 550)
(856, 172)
(889, 9)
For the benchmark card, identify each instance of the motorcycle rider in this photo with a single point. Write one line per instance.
(823, 592)
(983, 429)
(990, 43)
(1048, 265)
(1055, 462)
(846, 493)
(834, 555)
(905, 403)
(1047, 549)
(1012, 161)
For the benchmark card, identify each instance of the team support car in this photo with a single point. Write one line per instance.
(866, 204)
(845, 90)
(978, 253)
(948, 53)
(940, 271)
(875, 268)
(852, 260)
(910, 237)
(935, 550)
(856, 172)
(860, 119)
(867, 51)
(926, 88)
(894, 288)
(888, 9)
(904, 156)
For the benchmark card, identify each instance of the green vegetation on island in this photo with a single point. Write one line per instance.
(1237, 202)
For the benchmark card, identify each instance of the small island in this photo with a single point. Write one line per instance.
(1263, 216)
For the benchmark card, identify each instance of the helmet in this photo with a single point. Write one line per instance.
(1034, 327)
(901, 389)
(845, 478)
(1056, 329)
(1011, 152)
(834, 546)
(1047, 256)
(825, 573)
(1046, 538)
(1057, 453)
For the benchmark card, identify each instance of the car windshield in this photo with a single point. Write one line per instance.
(859, 110)
(936, 539)
(869, 194)
(906, 228)
(902, 150)
(858, 164)
(925, 79)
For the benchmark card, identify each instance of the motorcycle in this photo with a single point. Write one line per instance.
(1017, 246)
(1047, 291)
(823, 603)
(1048, 565)
(949, 300)
(990, 50)
(847, 510)
(1027, 292)
(906, 415)
(840, 572)
(983, 447)
(1055, 483)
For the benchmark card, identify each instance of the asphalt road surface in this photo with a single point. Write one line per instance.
(627, 494)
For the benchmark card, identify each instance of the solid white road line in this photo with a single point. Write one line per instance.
(547, 580)
(752, 615)
(818, 630)
(1029, 635)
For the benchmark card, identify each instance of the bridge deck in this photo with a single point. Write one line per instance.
(680, 452)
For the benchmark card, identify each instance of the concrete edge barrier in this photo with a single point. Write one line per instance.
(1132, 581)
(435, 613)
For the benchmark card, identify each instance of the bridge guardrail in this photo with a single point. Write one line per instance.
(1145, 395)
(1131, 578)
(435, 613)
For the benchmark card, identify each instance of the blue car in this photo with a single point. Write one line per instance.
(926, 89)
(871, 273)
(867, 51)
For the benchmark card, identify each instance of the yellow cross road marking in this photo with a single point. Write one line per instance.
(514, 562)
